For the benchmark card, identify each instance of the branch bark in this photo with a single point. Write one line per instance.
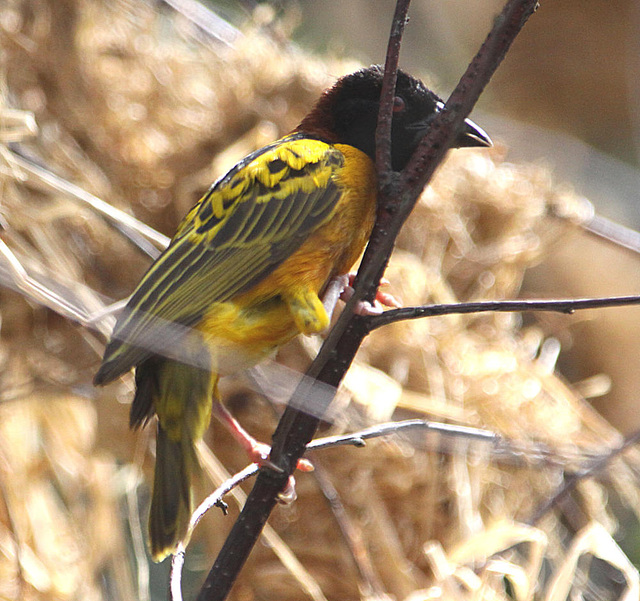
(567, 306)
(397, 196)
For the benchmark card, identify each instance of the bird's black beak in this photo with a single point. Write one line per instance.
(472, 135)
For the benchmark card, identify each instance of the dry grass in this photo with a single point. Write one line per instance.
(132, 106)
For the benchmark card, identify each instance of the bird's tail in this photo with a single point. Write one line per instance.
(171, 503)
(181, 395)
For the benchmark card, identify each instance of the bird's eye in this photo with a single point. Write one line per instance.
(399, 104)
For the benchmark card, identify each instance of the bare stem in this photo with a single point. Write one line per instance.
(383, 131)
(613, 232)
(506, 306)
(593, 467)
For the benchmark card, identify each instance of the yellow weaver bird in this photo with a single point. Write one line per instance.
(247, 269)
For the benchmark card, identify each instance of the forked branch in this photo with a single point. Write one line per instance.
(396, 198)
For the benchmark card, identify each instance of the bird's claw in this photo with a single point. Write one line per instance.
(382, 299)
(259, 453)
(288, 494)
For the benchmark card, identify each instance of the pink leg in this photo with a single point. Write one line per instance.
(258, 452)
(335, 290)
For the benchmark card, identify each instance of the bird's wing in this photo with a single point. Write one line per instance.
(248, 223)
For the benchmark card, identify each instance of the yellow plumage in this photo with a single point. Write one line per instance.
(246, 270)
(242, 276)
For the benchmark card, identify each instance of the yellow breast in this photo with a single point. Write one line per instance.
(245, 330)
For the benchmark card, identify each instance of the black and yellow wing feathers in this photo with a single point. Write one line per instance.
(246, 225)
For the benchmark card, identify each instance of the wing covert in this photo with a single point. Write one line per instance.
(246, 225)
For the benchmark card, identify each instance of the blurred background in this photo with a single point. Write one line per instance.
(143, 104)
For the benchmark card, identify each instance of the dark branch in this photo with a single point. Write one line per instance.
(506, 306)
(296, 428)
(385, 113)
(446, 126)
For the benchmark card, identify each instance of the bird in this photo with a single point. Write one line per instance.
(247, 271)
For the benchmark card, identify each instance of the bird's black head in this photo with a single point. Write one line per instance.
(348, 113)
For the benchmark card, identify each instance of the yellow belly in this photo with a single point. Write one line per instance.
(244, 331)
(239, 337)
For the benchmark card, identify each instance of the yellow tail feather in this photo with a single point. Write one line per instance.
(171, 503)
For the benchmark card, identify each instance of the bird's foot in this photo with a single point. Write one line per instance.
(288, 494)
(341, 287)
(259, 452)
(382, 299)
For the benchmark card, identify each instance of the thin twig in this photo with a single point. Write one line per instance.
(593, 467)
(357, 439)
(387, 94)
(567, 306)
(139, 233)
(370, 586)
(613, 232)
(503, 449)
(213, 500)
